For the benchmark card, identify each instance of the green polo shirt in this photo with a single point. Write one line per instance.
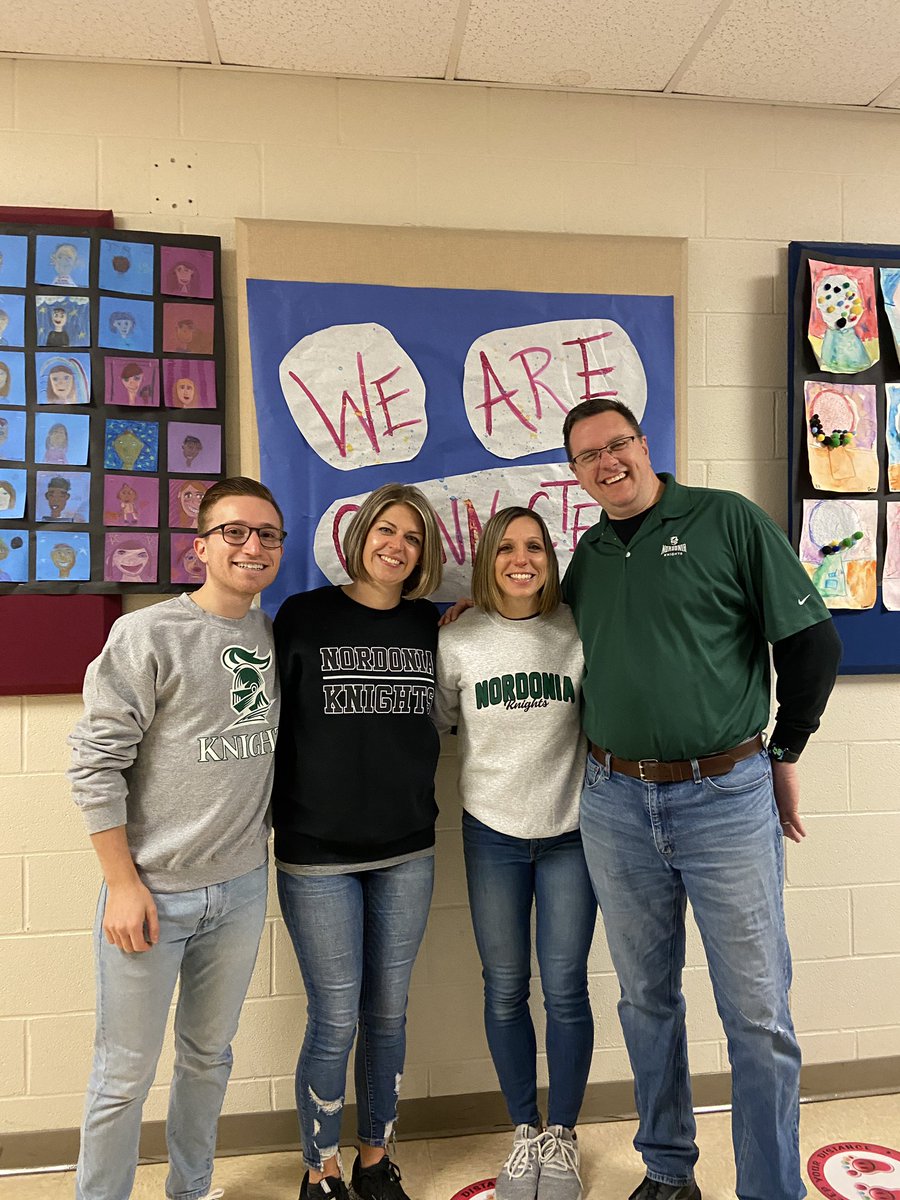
(676, 625)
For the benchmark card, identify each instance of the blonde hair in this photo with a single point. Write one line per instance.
(425, 577)
(485, 590)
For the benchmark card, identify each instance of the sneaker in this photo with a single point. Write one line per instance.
(518, 1178)
(328, 1188)
(378, 1182)
(652, 1189)
(559, 1178)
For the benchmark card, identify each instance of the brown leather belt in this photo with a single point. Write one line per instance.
(650, 770)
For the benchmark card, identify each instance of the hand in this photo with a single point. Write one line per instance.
(786, 782)
(456, 610)
(130, 920)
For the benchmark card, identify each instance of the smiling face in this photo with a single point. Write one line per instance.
(62, 385)
(59, 318)
(520, 569)
(184, 273)
(192, 565)
(129, 562)
(57, 499)
(123, 326)
(393, 547)
(624, 483)
(190, 502)
(235, 574)
(185, 393)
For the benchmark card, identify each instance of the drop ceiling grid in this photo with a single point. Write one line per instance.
(169, 30)
(635, 44)
(401, 38)
(799, 50)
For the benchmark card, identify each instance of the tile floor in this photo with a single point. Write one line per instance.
(436, 1169)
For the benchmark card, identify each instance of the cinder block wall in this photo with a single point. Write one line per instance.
(739, 181)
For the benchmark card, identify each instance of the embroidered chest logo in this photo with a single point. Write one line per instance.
(248, 686)
(673, 546)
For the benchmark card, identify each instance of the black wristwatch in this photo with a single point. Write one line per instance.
(782, 754)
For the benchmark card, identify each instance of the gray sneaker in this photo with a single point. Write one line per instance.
(518, 1178)
(559, 1178)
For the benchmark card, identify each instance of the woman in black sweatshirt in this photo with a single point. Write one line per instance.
(354, 814)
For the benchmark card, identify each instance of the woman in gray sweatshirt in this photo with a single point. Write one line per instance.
(509, 677)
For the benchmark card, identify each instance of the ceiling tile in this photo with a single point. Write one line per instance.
(799, 50)
(580, 43)
(161, 29)
(404, 38)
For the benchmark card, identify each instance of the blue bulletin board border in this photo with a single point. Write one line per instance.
(871, 637)
(436, 327)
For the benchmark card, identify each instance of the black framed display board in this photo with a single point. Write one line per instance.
(112, 387)
(844, 440)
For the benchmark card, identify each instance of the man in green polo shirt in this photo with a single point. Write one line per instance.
(678, 593)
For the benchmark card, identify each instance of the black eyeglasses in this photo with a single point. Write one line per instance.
(586, 457)
(235, 534)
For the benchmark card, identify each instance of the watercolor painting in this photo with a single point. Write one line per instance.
(63, 555)
(132, 382)
(185, 496)
(13, 260)
(62, 321)
(125, 324)
(12, 319)
(186, 564)
(838, 550)
(131, 445)
(189, 383)
(12, 435)
(890, 294)
(188, 328)
(892, 434)
(61, 439)
(63, 378)
(843, 322)
(194, 448)
(63, 496)
(62, 262)
(13, 555)
(131, 500)
(12, 377)
(126, 267)
(130, 557)
(841, 432)
(185, 271)
(12, 493)
(890, 582)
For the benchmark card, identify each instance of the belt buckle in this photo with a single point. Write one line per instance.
(651, 762)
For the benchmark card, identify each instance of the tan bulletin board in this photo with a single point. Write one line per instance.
(456, 258)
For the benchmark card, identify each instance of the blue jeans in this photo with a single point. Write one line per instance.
(209, 939)
(505, 876)
(356, 938)
(716, 842)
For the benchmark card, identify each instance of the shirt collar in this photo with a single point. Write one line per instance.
(675, 501)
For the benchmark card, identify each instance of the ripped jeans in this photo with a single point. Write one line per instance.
(716, 843)
(356, 938)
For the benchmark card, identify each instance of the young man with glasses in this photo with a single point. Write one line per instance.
(172, 768)
(678, 592)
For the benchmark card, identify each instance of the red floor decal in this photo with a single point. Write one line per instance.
(483, 1190)
(856, 1171)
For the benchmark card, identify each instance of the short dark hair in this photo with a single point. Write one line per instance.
(237, 485)
(593, 408)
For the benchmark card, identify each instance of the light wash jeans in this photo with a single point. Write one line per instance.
(507, 876)
(356, 937)
(717, 843)
(208, 939)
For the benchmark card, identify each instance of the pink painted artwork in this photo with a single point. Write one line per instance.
(189, 383)
(186, 566)
(185, 496)
(194, 448)
(130, 557)
(132, 382)
(843, 322)
(841, 431)
(188, 328)
(131, 500)
(187, 272)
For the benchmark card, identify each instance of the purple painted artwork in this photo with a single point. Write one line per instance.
(194, 448)
(188, 328)
(189, 383)
(130, 557)
(131, 500)
(186, 564)
(186, 272)
(184, 501)
(132, 382)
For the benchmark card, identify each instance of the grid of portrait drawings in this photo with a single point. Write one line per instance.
(111, 406)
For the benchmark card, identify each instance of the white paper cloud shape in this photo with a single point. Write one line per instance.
(519, 383)
(355, 395)
(463, 504)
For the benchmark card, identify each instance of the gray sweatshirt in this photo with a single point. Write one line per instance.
(514, 690)
(177, 742)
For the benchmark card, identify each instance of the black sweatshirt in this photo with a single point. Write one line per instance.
(356, 751)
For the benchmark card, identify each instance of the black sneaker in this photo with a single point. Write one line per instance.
(652, 1189)
(328, 1188)
(379, 1182)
